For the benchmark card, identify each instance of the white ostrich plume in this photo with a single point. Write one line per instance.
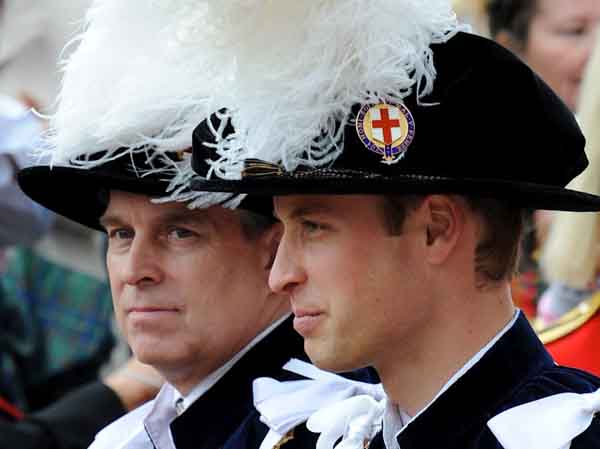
(293, 69)
(127, 88)
(125, 85)
(146, 72)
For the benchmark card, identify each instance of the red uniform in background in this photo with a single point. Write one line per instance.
(574, 340)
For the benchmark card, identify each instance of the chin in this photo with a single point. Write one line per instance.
(330, 360)
(146, 357)
(152, 354)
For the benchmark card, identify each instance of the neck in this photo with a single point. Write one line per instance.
(186, 378)
(185, 381)
(416, 371)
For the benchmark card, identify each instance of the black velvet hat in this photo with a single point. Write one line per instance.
(490, 127)
(82, 195)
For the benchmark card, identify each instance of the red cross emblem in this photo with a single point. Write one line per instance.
(386, 129)
(390, 128)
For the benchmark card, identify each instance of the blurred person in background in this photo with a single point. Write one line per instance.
(22, 222)
(555, 38)
(72, 421)
(58, 318)
(569, 310)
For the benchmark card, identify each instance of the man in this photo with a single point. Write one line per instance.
(188, 276)
(398, 249)
(191, 297)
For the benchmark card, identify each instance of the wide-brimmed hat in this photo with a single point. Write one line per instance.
(129, 100)
(82, 194)
(490, 127)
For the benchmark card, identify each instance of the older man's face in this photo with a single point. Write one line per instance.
(189, 287)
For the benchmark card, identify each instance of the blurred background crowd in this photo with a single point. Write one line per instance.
(55, 306)
(56, 325)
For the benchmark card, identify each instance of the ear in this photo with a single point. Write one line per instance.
(270, 242)
(444, 223)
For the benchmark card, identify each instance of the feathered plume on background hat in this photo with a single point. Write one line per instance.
(572, 234)
(145, 72)
(126, 86)
(129, 89)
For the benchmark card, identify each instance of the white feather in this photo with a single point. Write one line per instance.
(295, 68)
(146, 72)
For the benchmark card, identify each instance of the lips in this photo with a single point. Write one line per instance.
(306, 321)
(151, 309)
(151, 315)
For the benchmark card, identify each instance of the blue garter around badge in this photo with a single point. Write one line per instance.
(386, 129)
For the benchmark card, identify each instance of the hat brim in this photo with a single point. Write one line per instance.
(78, 194)
(524, 195)
(81, 195)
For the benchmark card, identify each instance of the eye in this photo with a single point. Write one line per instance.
(311, 227)
(120, 234)
(177, 233)
(574, 31)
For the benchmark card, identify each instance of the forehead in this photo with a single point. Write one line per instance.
(138, 208)
(565, 9)
(342, 206)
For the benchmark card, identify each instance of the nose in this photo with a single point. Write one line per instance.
(141, 264)
(287, 272)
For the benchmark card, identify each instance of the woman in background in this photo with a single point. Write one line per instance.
(570, 256)
(556, 38)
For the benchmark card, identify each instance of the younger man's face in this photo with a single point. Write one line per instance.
(355, 289)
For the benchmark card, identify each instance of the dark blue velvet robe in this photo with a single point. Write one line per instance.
(225, 417)
(516, 370)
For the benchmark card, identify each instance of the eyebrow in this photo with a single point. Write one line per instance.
(186, 216)
(302, 211)
(176, 216)
(110, 220)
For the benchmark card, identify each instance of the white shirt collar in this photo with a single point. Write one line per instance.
(395, 420)
(209, 381)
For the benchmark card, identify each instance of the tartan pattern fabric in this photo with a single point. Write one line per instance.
(58, 318)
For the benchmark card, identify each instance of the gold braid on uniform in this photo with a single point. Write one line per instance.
(287, 437)
(570, 321)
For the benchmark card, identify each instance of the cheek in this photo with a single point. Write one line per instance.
(116, 290)
(541, 55)
(552, 55)
(363, 275)
(204, 288)
(114, 269)
(120, 317)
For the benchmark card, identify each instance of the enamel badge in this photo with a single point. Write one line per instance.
(386, 129)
